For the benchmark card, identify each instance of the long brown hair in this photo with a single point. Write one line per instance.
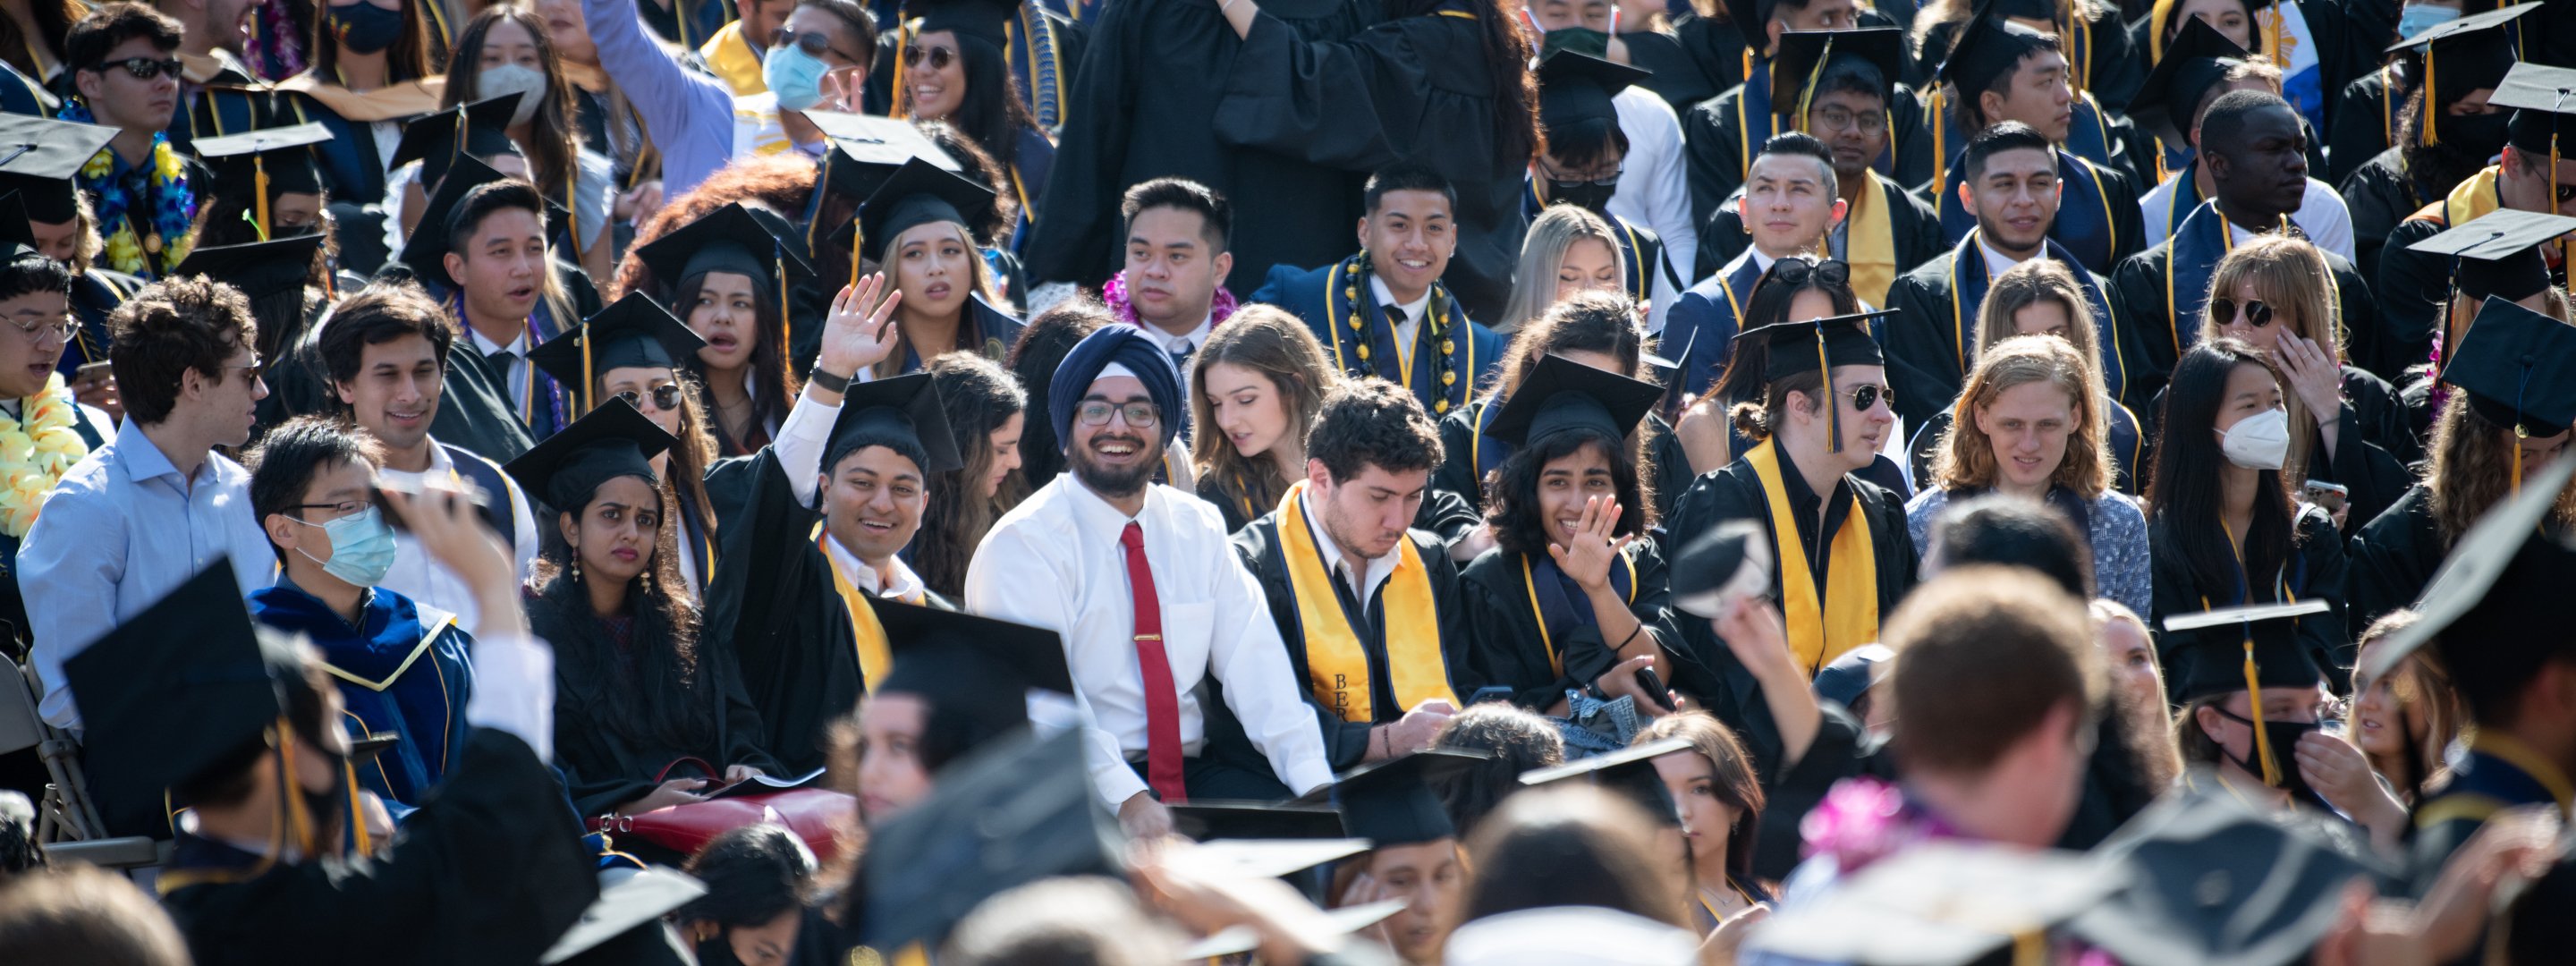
(1277, 345)
(2469, 469)
(1731, 778)
(410, 57)
(2030, 283)
(979, 396)
(2288, 274)
(2421, 687)
(549, 147)
(54, 20)
(970, 333)
(1967, 455)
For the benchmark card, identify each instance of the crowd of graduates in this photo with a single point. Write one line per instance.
(1303, 481)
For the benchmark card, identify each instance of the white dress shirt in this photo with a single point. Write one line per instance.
(1413, 311)
(2322, 215)
(1363, 585)
(1054, 561)
(426, 581)
(906, 585)
(514, 381)
(1997, 262)
(1653, 190)
(120, 531)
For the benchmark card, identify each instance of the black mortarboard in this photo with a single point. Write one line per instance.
(2518, 368)
(2208, 881)
(2544, 103)
(16, 236)
(1392, 802)
(2458, 57)
(632, 331)
(426, 251)
(1238, 940)
(1562, 395)
(435, 140)
(2496, 587)
(983, 20)
(608, 442)
(1805, 53)
(1989, 47)
(633, 901)
(903, 409)
(727, 239)
(282, 155)
(1945, 903)
(1011, 813)
(1628, 772)
(256, 268)
(365, 749)
(2212, 661)
(1573, 88)
(1818, 345)
(1734, 558)
(39, 157)
(866, 150)
(2167, 104)
(181, 688)
(974, 672)
(917, 194)
(1205, 820)
(1846, 678)
(2499, 252)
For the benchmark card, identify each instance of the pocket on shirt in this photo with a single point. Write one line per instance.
(1187, 629)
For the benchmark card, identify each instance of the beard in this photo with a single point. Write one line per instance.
(1115, 481)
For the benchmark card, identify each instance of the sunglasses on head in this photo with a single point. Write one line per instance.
(939, 57)
(1795, 271)
(2223, 311)
(145, 68)
(666, 397)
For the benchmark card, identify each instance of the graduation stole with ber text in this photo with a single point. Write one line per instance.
(1818, 635)
(1337, 665)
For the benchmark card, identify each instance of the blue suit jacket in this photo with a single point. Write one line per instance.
(1323, 297)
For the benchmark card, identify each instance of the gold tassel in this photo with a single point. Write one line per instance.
(2432, 110)
(1833, 404)
(2254, 700)
(259, 186)
(589, 379)
(357, 818)
(1807, 93)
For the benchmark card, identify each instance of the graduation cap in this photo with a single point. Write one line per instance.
(2460, 56)
(1752, 19)
(977, 669)
(2206, 880)
(38, 159)
(1805, 55)
(436, 140)
(258, 269)
(1203, 821)
(1238, 940)
(2499, 252)
(1272, 858)
(2518, 368)
(1010, 813)
(1563, 395)
(2544, 103)
(631, 332)
(1848, 677)
(916, 194)
(638, 899)
(1392, 802)
(2168, 104)
(730, 239)
(904, 409)
(2496, 587)
(1941, 903)
(1628, 772)
(1988, 48)
(264, 164)
(865, 151)
(1818, 345)
(1731, 560)
(364, 750)
(426, 251)
(180, 689)
(983, 20)
(2263, 651)
(1574, 88)
(612, 440)
(17, 237)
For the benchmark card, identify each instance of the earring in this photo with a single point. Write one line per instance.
(576, 571)
(647, 579)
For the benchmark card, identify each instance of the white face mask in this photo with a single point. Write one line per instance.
(527, 82)
(2258, 442)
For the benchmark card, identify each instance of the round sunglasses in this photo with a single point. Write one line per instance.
(2223, 311)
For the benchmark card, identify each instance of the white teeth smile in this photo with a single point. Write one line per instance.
(1413, 263)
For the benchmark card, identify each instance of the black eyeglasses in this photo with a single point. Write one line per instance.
(1867, 397)
(813, 42)
(1828, 271)
(1139, 415)
(145, 68)
(2223, 311)
(257, 365)
(939, 57)
(666, 397)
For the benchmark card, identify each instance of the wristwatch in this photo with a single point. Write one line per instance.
(829, 381)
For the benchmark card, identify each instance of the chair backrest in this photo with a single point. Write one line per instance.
(20, 728)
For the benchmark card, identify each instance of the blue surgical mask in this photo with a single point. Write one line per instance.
(362, 547)
(795, 76)
(2419, 17)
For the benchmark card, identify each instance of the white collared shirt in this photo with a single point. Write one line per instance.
(1363, 585)
(426, 581)
(516, 379)
(906, 585)
(2322, 214)
(1055, 562)
(1185, 343)
(1997, 262)
(1654, 189)
(1413, 310)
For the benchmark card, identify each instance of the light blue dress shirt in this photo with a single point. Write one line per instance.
(120, 531)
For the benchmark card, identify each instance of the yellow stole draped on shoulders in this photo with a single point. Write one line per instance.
(875, 655)
(728, 55)
(1337, 666)
(394, 101)
(1869, 243)
(1818, 635)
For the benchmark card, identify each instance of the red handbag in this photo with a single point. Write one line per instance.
(813, 814)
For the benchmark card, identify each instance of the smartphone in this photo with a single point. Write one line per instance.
(92, 372)
(1653, 684)
(2331, 496)
(1490, 692)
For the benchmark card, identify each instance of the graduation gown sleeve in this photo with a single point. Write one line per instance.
(1457, 473)
(1509, 651)
(2413, 288)
(2145, 324)
(1922, 358)
(2394, 557)
(472, 412)
(774, 607)
(1587, 655)
(1080, 205)
(1713, 154)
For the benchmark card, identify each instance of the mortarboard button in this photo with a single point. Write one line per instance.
(905, 409)
(1576, 87)
(1989, 46)
(917, 194)
(1883, 48)
(2168, 103)
(436, 140)
(2212, 662)
(2518, 368)
(728, 239)
(283, 154)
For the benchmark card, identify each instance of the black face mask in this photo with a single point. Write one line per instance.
(365, 28)
(2478, 135)
(2284, 737)
(1590, 196)
(1581, 40)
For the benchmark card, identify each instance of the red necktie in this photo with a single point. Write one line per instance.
(1162, 700)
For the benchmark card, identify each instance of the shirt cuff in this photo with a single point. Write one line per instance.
(800, 445)
(1310, 775)
(514, 690)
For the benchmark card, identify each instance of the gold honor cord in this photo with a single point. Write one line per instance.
(259, 186)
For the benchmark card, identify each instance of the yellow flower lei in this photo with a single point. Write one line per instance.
(123, 250)
(35, 451)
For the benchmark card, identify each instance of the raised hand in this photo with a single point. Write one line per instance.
(1594, 550)
(859, 332)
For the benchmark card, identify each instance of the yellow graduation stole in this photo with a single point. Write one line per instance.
(875, 656)
(1817, 635)
(400, 99)
(1869, 244)
(1336, 665)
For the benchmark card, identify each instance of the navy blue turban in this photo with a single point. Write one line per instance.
(1125, 347)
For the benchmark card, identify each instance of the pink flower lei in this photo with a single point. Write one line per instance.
(1114, 292)
(1863, 820)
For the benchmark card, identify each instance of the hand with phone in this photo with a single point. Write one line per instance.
(2334, 497)
(94, 384)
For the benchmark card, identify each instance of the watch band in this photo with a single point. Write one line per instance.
(829, 381)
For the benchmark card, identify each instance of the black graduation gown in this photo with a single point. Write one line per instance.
(1931, 341)
(2374, 446)
(2414, 286)
(605, 765)
(2365, 124)
(1468, 455)
(95, 294)
(1691, 64)
(1412, 89)
(1913, 227)
(1443, 513)
(1515, 650)
(1347, 742)
(2394, 557)
(1144, 106)
(773, 604)
(2315, 570)
(490, 869)
(473, 411)
(1721, 135)
(2156, 329)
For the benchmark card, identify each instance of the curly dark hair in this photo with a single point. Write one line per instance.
(1512, 504)
(169, 328)
(1372, 422)
(754, 874)
(1518, 741)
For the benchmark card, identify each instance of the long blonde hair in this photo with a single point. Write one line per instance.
(2288, 274)
(970, 335)
(1279, 346)
(2030, 283)
(1542, 250)
(1967, 455)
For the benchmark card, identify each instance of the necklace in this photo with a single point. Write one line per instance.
(36, 447)
(173, 203)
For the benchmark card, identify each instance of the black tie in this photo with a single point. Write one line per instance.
(1395, 316)
(499, 360)
(1181, 358)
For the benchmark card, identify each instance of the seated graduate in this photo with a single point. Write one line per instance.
(487, 249)
(142, 185)
(1847, 107)
(2201, 67)
(271, 276)
(2264, 744)
(2042, 297)
(2252, 149)
(1385, 312)
(241, 729)
(957, 683)
(721, 274)
(2237, 536)
(1368, 607)
(645, 701)
(64, 227)
(2003, 71)
(266, 187)
(2438, 129)
(371, 69)
(35, 296)
(2011, 183)
(987, 416)
(1591, 327)
(2515, 422)
(1570, 599)
(1725, 131)
(1721, 800)
(403, 669)
(1255, 389)
(1567, 250)
(1581, 162)
(1796, 287)
(1844, 555)
(1790, 204)
(920, 228)
(2032, 427)
(1413, 849)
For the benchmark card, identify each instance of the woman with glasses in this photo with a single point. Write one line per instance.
(817, 61)
(1796, 288)
(1583, 155)
(954, 69)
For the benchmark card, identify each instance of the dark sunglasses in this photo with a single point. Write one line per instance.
(666, 397)
(939, 57)
(813, 42)
(1828, 271)
(2223, 311)
(145, 68)
(2566, 193)
(1867, 397)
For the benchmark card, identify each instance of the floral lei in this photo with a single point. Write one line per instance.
(34, 454)
(1115, 293)
(1355, 275)
(1863, 820)
(174, 204)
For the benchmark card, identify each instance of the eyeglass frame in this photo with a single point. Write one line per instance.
(1127, 412)
(69, 327)
(655, 393)
(134, 67)
(783, 36)
(2256, 312)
